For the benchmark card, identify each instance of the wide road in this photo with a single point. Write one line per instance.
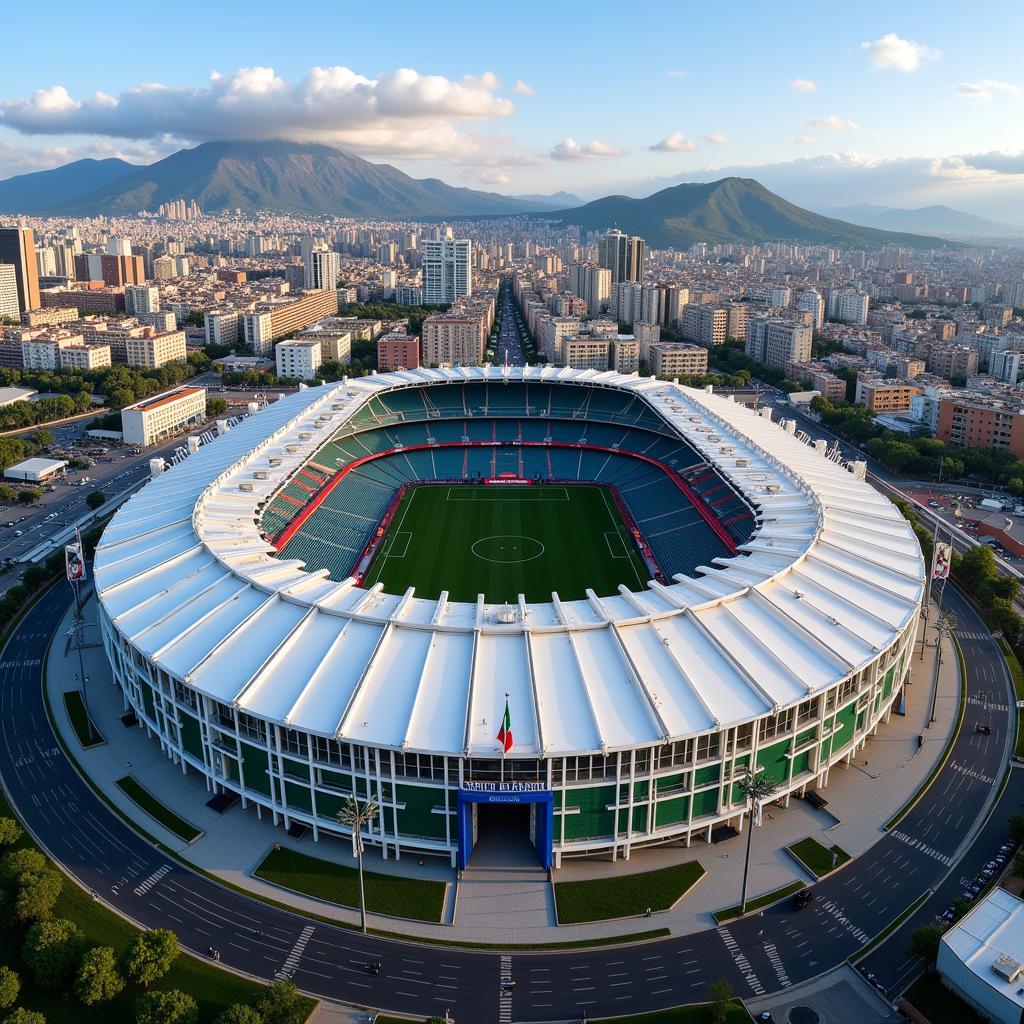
(758, 954)
(510, 343)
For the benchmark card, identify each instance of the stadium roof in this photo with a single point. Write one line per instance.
(825, 584)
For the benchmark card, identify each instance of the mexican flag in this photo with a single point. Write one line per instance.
(505, 732)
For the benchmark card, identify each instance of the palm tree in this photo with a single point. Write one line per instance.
(757, 789)
(355, 815)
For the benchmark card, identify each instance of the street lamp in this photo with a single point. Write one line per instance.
(757, 789)
(355, 815)
(946, 627)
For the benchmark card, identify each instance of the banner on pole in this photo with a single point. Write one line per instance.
(940, 561)
(758, 814)
(74, 564)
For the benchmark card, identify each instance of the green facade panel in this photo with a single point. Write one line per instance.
(191, 738)
(416, 818)
(594, 819)
(705, 802)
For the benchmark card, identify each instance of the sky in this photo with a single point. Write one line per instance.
(828, 104)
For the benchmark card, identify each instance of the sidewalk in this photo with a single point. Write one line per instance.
(861, 797)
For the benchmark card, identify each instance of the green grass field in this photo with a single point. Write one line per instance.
(505, 541)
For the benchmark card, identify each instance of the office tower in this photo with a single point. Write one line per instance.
(18, 247)
(623, 255)
(118, 246)
(322, 269)
(447, 270)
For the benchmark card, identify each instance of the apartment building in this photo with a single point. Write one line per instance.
(447, 265)
(298, 358)
(335, 344)
(885, 394)
(776, 342)
(258, 332)
(398, 352)
(9, 307)
(705, 324)
(982, 421)
(151, 351)
(289, 315)
(85, 357)
(163, 416)
(223, 327)
(625, 354)
(585, 352)
(677, 359)
(141, 298)
(453, 339)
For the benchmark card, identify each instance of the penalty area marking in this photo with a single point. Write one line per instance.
(509, 549)
(611, 548)
(393, 551)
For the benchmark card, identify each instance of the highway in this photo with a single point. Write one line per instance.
(510, 341)
(758, 954)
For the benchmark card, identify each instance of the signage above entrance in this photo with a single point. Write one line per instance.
(504, 787)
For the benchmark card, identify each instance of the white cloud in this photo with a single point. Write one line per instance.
(892, 51)
(490, 177)
(675, 143)
(402, 112)
(16, 159)
(832, 124)
(803, 85)
(523, 88)
(986, 89)
(677, 74)
(804, 140)
(715, 138)
(570, 149)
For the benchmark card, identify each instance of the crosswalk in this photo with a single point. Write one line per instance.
(777, 965)
(916, 844)
(741, 961)
(292, 960)
(147, 883)
(505, 999)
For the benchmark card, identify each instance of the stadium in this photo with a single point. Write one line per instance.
(575, 603)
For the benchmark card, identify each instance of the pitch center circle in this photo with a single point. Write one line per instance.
(507, 549)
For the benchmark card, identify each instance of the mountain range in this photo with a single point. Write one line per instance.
(736, 210)
(937, 220)
(311, 180)
(283, 177)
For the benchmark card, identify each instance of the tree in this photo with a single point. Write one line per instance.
(52, 951)
(23, 1016)
(10, 832)
(216, 407)
(10, 986)
(239, 1013)
(43, 438)
(924, 942)
(170, 1007)
(96, 499)
(29, 886)
(1015, 827)
(98, 980)
(29, 495)
(720, 999)
(150, 955)
(281, 1004)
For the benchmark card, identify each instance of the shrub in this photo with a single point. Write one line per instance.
(10, 986)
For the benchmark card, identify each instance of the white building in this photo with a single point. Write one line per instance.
(222, 326)
(812, 302)
(447, 270)
(323, 267)
(981, 958)
(776, 341)
(156, 350)
(84, 357)
(299, 358)
(259, 332)
(141, 299)
(161, 416)
(9, 309)
(848, 305)
(36, 470)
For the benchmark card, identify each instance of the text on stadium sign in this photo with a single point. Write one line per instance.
(505, 787)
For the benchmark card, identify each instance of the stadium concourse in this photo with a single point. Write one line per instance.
(775, 630)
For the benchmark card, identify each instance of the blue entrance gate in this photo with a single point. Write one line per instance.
(506, 793)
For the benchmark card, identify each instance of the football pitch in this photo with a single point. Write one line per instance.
(502, 541)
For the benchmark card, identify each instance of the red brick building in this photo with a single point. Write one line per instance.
(398, 351)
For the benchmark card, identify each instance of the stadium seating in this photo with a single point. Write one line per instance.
(337, 531)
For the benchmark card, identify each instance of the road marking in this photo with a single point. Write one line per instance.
(293, 958)
(505, 998)
(144, 886)
(741, 961)
(776, 961)
(916, 844)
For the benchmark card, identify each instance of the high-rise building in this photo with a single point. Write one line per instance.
(141, 298)
(623, 255)
(18, 247)
(776, 342)
(848, 305)
(591, 283)
(9, 309)
(810, 301)
(705, 324)
(447, 270)
(323, 266)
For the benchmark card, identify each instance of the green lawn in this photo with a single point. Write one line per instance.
(417, 898)
(156, 810)
(87, 733)
(212, 988)
(505, 541)
(939, 1004)
(816, 858)
(601, 899)
(761, 901)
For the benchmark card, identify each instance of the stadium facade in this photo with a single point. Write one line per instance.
(776, 631)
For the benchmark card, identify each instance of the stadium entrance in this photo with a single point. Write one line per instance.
(515, 810)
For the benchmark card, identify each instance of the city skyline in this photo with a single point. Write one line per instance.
(902, 108)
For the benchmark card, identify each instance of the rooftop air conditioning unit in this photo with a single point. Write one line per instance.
(261, 474)
(1008, 968)
(305, 435)
(274, 461)
(245, 485)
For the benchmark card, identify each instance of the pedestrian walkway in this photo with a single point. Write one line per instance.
(494, 904)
